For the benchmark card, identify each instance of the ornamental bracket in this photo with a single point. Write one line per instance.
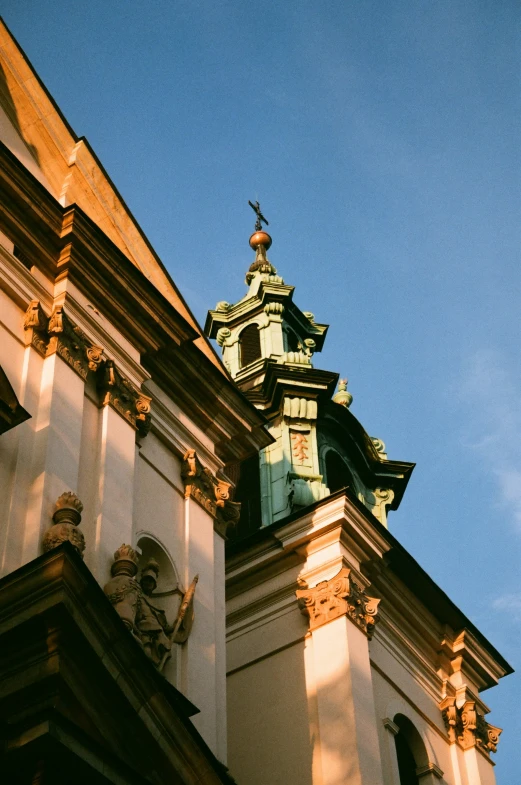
(340, 596)
(211, 493)
(468, 727)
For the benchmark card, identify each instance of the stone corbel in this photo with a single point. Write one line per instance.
(467, 726)
(211, 493)
(58, 334)
(119, 392)
(72, 345)
(340, 596)
(35, 326)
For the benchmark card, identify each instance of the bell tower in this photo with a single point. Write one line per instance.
(268, 346)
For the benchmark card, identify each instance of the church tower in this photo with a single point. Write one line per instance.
(269, 345)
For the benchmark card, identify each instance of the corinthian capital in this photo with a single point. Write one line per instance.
(340, 596)
(467, 726)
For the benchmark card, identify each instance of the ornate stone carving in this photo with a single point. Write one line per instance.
(340, 596)
(379, 447)
(222, 335)
(275, 309)
(296, 358)
(211, 493)
(66, 519)
(35, 324)
(468, 727)
(134, 601)
(71, 343)
(300, 408)
(59, 334)
(119, 392)
(300, 446)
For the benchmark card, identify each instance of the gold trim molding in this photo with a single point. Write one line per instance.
(340, 596)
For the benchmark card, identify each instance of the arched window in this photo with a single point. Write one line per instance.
(410, 751)
(249, 343)
(337, 474)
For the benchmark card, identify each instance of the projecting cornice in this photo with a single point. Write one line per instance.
(69, 248)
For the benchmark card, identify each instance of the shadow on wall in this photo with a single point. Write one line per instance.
(9, 107)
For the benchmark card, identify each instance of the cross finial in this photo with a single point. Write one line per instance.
(256, 208)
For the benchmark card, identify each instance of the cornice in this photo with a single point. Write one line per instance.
(468, 655)
(336, 519)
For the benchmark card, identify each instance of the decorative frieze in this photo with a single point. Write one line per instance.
(212, 494)
(340, 596)
(59, 334)
(468, 727)
(66, 519)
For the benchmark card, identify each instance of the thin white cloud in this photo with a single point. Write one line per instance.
(510, 603)
(491, 391)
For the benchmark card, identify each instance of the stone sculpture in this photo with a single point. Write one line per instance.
(134, 602)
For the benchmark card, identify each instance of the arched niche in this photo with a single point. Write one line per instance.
(249, 345)
(411, 752)
(168, 593)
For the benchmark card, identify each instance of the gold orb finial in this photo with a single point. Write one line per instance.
(260, 238)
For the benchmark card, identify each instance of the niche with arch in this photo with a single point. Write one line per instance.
(249, 345)
(410, 751)
(167, 594)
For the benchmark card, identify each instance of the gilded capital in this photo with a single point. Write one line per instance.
(340, 596)
(467, 726)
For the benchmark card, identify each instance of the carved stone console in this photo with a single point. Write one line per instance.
(468, 727)
(212, 494)
(118, 392)
(340, 596)
(58, 334)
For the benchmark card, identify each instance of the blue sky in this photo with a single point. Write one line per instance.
(382, 140)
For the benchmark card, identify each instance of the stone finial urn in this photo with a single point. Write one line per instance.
(123, 590)
(66, 519)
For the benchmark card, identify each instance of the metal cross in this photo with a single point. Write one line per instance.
(256, 208)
